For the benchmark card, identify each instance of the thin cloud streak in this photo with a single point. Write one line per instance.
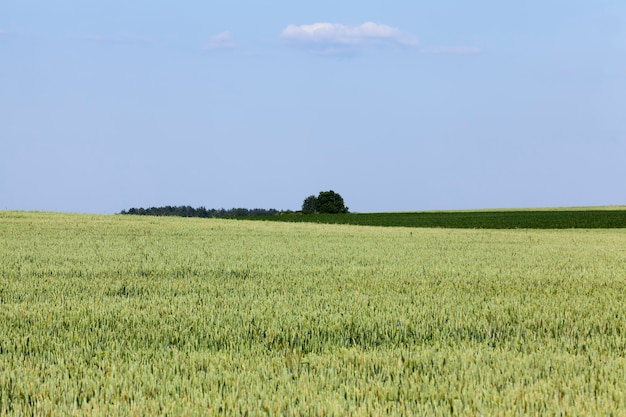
(118, 38)
(222, 40)
(335, 37)
(455, 50)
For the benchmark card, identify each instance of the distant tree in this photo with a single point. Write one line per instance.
(330, 202)
(325, 202)
(309, 206)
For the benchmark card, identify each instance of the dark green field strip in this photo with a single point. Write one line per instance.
(541, 219)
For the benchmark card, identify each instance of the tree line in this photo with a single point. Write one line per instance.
(188, 211)
(326, 202)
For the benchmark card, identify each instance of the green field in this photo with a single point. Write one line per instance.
(130, 315)
(565, 218)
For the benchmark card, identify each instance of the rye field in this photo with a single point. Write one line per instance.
(129, 315)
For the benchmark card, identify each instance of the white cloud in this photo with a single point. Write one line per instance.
(456, 50)
(118, 38)
(222, 40)
(334, 36)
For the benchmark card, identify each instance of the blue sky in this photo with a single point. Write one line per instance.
(396, 105)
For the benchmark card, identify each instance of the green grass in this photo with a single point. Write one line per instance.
(123, 315)
(589, 218)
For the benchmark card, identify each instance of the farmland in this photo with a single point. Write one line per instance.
(566, 218)
(122, 315)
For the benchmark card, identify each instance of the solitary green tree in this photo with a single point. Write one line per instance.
(326, 202)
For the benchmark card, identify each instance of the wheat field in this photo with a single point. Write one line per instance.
(123, 315)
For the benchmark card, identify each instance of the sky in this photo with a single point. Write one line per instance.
(396, 105)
